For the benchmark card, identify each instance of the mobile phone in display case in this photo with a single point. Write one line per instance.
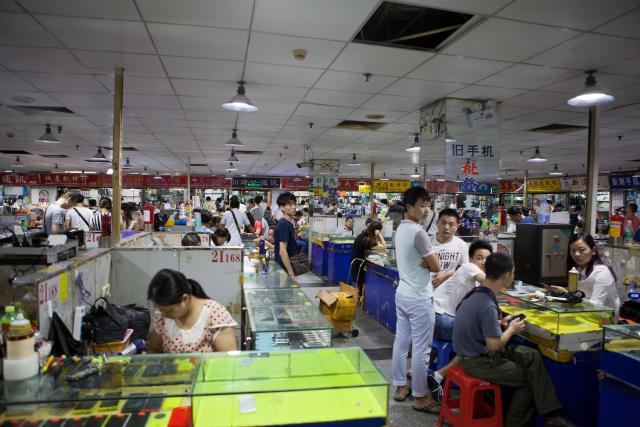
(118, 420)
(159, 419)
(75, 422)
(95, 421)
(108, 404)
(139, 419)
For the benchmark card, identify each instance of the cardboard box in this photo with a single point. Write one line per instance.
(339, 305)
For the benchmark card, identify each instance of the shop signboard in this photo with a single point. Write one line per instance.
(128, 181)
(544, 185)
(288, 183)
(471, 186)
(511, 186)
(209, 182)
(165, 181)
(20, 179)
(472, 160)
(259, 182)
(349, 184)
(443, 187)
(624, 181)
(390, 186)
(579, 183)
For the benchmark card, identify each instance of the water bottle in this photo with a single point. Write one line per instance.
(198, 221)
(628, 232)
(262, 250)
(106, 224)
(544, 213)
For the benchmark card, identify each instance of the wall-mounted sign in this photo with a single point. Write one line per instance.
(624, 181)
(544, 185)
(386, 187)
(256, 182)
(288, 183)
(349, 184)
(473, 160)
(511, 186)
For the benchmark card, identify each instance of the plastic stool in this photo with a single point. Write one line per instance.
(471, 410)
(444, 352)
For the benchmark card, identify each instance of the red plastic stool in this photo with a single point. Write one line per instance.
(471, 410)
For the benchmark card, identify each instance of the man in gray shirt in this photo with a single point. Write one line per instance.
(54, 215)
(485, 352)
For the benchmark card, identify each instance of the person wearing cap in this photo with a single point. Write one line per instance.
(348, 227)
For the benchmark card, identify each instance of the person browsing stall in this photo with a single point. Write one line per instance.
(54, 214)
(78, 217)
(285, 234)
(451, 250)
(370, 239)
(517, 216)
(481, 341)
(186, 319)
(414, 303)
(597, 280)
(236, 221)
(221, 237)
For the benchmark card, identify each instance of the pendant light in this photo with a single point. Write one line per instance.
(354, 161)
(240, 102)
(231, 167)
(110, 171)
(536, 158)
(232, 157)
(415, 173)
(127, 165)
(384, 177)
(48, 137)
(55, 169)
(82, 174)
(415, 147)
(144, 171)
(448, 137)
(591, 94)
(157, 176)
(17, 163)
(99, 157)
(234, 141)
(555, 171)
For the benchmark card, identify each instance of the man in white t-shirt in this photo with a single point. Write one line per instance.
(236, 221)
(452, 251)
(78, 217)
(414, 303)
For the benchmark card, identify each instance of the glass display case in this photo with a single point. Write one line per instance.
(274, 278)
(215, 389)
(386, 258)
(559, 328)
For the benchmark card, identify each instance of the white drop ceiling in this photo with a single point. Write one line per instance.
(182, 60)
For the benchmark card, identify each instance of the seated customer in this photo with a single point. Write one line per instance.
(481, 341)
(191, 239)
(221, 237)
(207, 221)
(187, 320)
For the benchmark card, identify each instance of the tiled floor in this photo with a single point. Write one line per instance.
(377, 341)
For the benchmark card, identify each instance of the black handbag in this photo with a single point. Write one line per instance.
(300, 264)
(108, 322)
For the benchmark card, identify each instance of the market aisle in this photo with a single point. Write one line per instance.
(377, 342)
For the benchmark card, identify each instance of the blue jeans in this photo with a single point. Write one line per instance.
(415, 322)
(444, 327)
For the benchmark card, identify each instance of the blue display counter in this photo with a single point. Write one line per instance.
(319, 259)
(339, 261)
(380, 285)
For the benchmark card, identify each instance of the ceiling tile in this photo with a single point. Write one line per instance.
(165, 122)
(421, 88)
(21, 29)
(629, 67)
(199, 42)
(327, 19)
(134, 65)
(69, 82)
(389, 116)
(608, 82)
(486, 7)
(489, 40)
(99, 34)
(153, 113)
(277, 49)
(523, 76)
(551, 116)
(272, 107)
(212, 115)
(512, 111)
(281, 75)
(334, 97)
(354, 82)
(578, 14)
(211, 88)
(259, 92)
(395, 103)
(150, 101)
(318, 123)
(625, 26)
(39, 98)
(202, 103)
(364, 58)
(113, 9)
(486, 92)
(457, 69)
(539, 99)
(10, 6)
(84, 99)
(271, 119)
(210, 69)
(140, 85)
(322, 111)
(206, 13)
(589, 51)
(33, 59)
(11, 82)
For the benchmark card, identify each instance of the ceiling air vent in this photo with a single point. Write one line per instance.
(198, 165)
(15, 152)
(54, 156)
(123, 148)
(414, 27)
(557, 129)
(33, 110)
(358, 125)
(249, 152)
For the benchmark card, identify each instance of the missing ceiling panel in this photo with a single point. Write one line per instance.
(15, 152)
(54, 156)
(249, 152)
(33, 110)
(408, 26)
(358, 125)
(558, 129)
(123, 148)
(198, 165)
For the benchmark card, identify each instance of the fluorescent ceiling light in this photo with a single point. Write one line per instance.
(48, 137)
(297, 179)
(240, 102)
(110, 171)
(536, 158)
(99, 157)
(415, 147)
(354, 162)
(234, 141)
(17, 163)
(555, 171)
(591, 94)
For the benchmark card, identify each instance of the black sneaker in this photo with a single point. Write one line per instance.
(435, 388)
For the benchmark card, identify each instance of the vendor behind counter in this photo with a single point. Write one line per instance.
(187, 320)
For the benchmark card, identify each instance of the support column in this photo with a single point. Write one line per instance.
(525, 188)
(188, 197)
(592, 169)
(372, 202)
(116, 217)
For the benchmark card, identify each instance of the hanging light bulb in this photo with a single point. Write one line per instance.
(144, 171)
(555, 171)
(448, 137)
(536, 158)
(415, 147)
(415, 173)
(234, 141)
(354, 161)
(17, 163)
(127, 165)
(232, 157)
(55, 169)
(48, 137)
(591, 94)
(240, 102)
(231, 167)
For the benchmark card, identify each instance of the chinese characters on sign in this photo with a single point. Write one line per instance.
(473, 160)
(624, 181)
(386, 187)
(544, 185)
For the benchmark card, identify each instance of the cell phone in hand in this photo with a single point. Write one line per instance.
(520, 316)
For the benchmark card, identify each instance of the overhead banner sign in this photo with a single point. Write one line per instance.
(472, 160)
(443, 187)
(288, 183)
(210, 182)
(544, 185)
(256, 183)
(470, 186)
(348, 184)
(579, 183)
(624, 181)
(386, 187)
(511, 186)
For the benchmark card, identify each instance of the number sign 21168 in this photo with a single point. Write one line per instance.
(222, 256)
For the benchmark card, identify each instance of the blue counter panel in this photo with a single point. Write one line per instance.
(319, 261)
(619, 402)
(380, 295)
(339, 261)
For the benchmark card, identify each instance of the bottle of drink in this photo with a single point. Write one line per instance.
(106, 224)
(198, 221)
(628, 232)
(572, 280)
(6, 319)
(615, 228)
